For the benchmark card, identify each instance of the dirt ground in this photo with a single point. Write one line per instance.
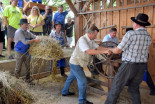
(48, 91)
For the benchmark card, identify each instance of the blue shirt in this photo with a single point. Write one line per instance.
(36, 0)
(60, 17)
(109, 38)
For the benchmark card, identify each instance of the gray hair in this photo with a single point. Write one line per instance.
(89, 31)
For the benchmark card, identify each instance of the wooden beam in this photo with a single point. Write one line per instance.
(86, 5)
(107, 27)
(151, 26)
(72, 7)
(119, 9)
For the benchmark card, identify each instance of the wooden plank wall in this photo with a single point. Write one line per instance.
(122, 18)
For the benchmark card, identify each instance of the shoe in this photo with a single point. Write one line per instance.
(11, 57)
(64, 75)
(70, 93)
(3, 49)
(152, 92)
(2, 56)
(87, 102)
(29, 82)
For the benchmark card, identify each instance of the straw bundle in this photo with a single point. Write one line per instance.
(47, 48)
(12, 91)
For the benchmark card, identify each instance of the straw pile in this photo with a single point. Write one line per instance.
(47, 48)
(12, 91)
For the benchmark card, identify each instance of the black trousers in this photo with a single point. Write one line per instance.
(130, 74)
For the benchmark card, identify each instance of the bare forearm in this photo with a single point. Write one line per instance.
(6, 21)
(53, 22)
(94, 52)
(115, 50)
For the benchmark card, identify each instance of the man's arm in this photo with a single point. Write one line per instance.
(6, 21)
(95, 52)
(53, 22)
(115, 50)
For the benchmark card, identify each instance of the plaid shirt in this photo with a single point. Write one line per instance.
(135, 46)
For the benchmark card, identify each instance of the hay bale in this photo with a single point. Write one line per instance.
(47, 48)
(12, 91)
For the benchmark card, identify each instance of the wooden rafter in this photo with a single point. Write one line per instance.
(72, 7)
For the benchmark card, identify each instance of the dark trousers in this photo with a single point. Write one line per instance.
(46, 29)
(149, 81)
(131, 74)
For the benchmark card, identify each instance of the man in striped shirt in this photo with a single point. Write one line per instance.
(134, 47)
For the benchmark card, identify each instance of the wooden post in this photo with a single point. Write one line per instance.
(78, 24)
(72, 7)
(125, 3)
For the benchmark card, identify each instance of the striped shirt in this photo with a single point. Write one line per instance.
(135, 46)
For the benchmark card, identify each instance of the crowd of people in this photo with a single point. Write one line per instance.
(40, 23)
(23, 30)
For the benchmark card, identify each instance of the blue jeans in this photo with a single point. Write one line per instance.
(77, 72)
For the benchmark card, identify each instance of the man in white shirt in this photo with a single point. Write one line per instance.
(80, 58)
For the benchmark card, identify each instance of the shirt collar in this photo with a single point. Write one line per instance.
(22, 29)
(109, 36)
(88, 39)
(59, 33)
(141, 28)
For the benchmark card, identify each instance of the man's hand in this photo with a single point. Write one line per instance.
(109, 52)
(36, 40)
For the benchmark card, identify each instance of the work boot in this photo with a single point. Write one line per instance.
(87, 102)
(29, 82)
(70, 93)
(152, 92)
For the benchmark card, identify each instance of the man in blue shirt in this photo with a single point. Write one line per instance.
(60, 17)
(111, 36)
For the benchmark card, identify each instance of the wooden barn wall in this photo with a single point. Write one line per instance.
(121, 18)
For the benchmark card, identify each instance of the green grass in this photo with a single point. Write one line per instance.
(6, 55)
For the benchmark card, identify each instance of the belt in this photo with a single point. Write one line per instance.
(134, 62)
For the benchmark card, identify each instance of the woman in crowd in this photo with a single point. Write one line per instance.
(36, 21)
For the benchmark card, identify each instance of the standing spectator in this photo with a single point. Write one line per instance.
(1, 7)
(1, 11)
(135, 47)
(60, 17)
(2, 33)
(36, 21)
(69, 30)
(48, 14)
(12, 16)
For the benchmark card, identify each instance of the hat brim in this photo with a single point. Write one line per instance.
(23, 23)
(140, 23)
(58, 24)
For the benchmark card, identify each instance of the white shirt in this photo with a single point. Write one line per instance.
(79, 56)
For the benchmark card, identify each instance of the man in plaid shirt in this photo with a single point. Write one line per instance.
(135, 47)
